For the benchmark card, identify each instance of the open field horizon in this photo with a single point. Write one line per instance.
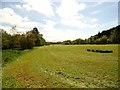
(59, 43)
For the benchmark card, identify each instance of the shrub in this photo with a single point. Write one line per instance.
(100, 51)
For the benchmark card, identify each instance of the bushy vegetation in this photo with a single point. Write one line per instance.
(11, 55)
(22, 41)
(100, 51)
(111, 36)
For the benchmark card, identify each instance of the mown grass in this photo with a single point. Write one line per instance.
(63, 66)
(0, 68)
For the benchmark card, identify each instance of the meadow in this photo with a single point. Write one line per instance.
(63, 66)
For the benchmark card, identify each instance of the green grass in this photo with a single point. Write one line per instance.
(0, 68)
(11, 55)
(63, 66)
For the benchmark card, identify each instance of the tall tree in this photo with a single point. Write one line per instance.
(6, 40)
(13, 32)
(38, 38)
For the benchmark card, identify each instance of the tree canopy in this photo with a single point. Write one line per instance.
(22, 41)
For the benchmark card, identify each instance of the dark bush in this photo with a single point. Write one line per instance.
(93, 50)
(106, 51)
(6, 60)
(97, 50)
(101, 51)
(88, 49)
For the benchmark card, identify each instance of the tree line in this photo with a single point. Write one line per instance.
(34, 38)
(22, 41)
(111, 36)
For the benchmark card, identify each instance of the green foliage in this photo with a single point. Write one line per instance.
(67, 42)
(6, 40)
(77, 41)
(115, 35)
(111, 36)
(38, 38)
(11, 55)
(16, 41)
(102, 40)
(25, 41)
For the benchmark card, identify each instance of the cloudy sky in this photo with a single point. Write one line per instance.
(59, 20)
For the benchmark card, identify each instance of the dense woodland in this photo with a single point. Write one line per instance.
(34, 38)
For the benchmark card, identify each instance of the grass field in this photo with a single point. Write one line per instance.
(63, 66)
(11, 55)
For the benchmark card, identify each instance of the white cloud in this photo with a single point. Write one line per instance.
(74, 22)
(96, 12)
(81, 23)
(94, 20)
(98, 1)
(70, 8)
(68, 11)
(27, 7)
(8, 16)
(58, 0)
(41, 6)
(58, 34)
(7, 28)
(18, 6)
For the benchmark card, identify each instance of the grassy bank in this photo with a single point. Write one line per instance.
(11, 55)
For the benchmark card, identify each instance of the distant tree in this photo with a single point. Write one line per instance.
(74, 42)
(13, 32)
(30, 42)
(98, 41)
(31, 38)
(0, 39)
(59, 42)
(6, 40)
(47, 43)
(42, 41)
(16, 41)
(67, 42)
(86, 41)
(23, 42)
(38, 38)
(99, 34)
(92, 40)
(78, 41)
(102, 40)
(35, 30)
(115, 36)
(109, 41)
